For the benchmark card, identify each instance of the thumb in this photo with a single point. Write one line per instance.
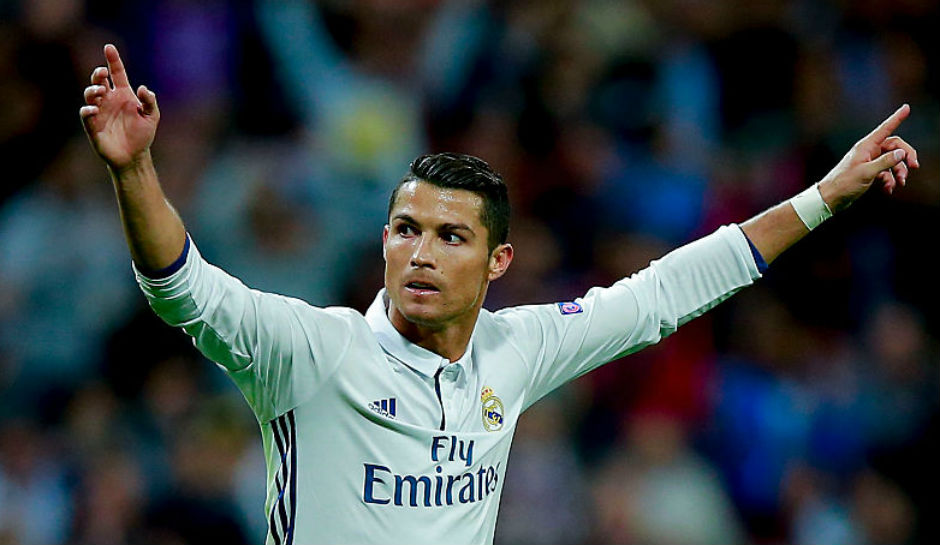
(148, 101)
(884, 162)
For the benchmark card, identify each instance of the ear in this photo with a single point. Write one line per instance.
(499, 261)
(384, 241)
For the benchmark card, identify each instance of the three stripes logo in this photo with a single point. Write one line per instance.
(284, 511)
(385, 407)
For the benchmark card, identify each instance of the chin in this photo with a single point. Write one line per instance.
(421, 315)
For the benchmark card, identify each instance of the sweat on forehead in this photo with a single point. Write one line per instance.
(421, 202)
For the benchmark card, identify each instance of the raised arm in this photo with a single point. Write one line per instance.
(121, 126)
(877, 156)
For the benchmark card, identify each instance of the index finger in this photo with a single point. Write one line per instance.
(888, 126)
(116, 67)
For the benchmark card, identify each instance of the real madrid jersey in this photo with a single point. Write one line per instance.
(369, 438)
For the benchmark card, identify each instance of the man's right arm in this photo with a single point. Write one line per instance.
(276, 349)
(121, 125)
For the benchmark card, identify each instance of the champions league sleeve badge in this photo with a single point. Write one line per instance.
(570, 307)
(492, 410)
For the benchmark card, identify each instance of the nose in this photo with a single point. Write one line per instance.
(423, 255)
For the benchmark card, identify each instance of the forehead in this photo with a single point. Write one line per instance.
(427, 202)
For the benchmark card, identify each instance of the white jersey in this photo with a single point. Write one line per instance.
(369, 438)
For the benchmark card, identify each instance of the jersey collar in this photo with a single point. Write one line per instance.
(420, 359)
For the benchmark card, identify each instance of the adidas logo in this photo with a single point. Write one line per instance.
(385, 407)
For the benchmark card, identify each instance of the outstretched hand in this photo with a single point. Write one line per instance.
(120, 123)
(877, 156)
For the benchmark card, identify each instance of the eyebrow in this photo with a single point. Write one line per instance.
(442, 227)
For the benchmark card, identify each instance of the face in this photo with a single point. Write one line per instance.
(437, 264)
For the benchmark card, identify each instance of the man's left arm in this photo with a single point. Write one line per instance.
(878, 156)
(563, 341)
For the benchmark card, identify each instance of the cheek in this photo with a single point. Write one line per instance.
(470, 274)
(395, 251)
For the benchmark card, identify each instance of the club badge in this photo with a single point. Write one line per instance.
(492, 410)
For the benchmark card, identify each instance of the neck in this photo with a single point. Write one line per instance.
(449, 341)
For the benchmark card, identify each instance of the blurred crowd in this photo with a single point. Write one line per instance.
(802, 411)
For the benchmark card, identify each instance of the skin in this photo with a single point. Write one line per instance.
(121, 125)
(419, 242)
(877, 156)
(435, 236)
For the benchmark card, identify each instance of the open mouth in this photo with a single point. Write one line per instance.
(421, 288)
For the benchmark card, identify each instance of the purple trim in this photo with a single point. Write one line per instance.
(762, 265)
(172, 268)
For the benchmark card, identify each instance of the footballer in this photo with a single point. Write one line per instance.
(395, 426)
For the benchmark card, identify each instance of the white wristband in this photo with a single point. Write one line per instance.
(810, 207)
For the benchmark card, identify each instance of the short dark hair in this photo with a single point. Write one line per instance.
(459, 171)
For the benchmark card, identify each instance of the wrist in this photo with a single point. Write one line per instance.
(811, 206)
(831, 195)
(140, 164)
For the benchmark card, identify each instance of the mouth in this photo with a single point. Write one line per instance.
(421, 288)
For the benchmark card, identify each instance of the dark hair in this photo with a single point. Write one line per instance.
(459, 171)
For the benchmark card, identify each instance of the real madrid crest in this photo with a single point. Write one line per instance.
(492, 410)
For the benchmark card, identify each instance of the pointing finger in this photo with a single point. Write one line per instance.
(888, 126)
(116, 67)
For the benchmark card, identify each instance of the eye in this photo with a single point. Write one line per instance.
(406, 230)
(452, 238)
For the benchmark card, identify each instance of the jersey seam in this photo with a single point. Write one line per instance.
(529, 368)
(326, 379)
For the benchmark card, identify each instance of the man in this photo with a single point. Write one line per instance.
(395, 427)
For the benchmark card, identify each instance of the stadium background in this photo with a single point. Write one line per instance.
(802, 411)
